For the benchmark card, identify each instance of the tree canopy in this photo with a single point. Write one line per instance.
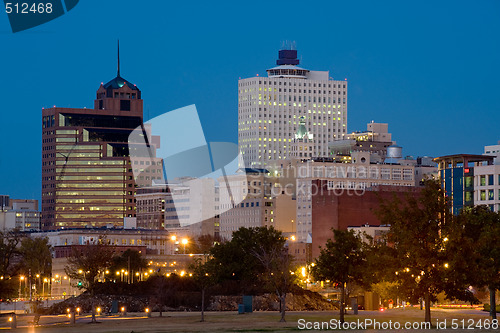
(341, 261)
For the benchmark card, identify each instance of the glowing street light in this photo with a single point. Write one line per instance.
(184, 242)
(21, 278)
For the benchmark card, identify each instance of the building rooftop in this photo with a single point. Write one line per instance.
(119, 82)
(468, 157)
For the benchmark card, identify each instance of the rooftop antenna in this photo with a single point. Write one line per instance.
(118, 69)
(288, 45)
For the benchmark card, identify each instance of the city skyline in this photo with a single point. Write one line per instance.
(435, 85)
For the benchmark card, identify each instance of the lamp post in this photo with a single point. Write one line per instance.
(173, 238)
(21, 278)
(43, 286)
(184, 242)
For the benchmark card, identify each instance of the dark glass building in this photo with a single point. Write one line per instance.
(87, 178)
(456, 173)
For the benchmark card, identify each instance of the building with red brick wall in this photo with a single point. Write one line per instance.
(340, 208)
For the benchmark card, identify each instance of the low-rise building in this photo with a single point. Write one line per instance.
(20, 214)
(470, 180)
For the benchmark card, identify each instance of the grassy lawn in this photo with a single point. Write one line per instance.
(232, 322)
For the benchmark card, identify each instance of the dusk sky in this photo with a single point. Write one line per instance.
(428, 68)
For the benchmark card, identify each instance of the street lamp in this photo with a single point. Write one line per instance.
(21, 278)
(43, 285)
(184, 242)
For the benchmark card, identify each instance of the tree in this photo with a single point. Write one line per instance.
(9, 241)
(341, 262)
(204, 278)
(474, 252)
(257, 258)
(36, 259)
(163, 290)
(87, 264)
(418, 229)
(276, 262)
(236, 260)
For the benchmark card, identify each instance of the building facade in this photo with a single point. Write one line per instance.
(470, 180)
(20, 214)
(376, 139)
(186, 205)
(358, 175)
(270, 109)
(348, 209)
(87, 176)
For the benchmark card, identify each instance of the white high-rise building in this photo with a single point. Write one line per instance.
(270, 109)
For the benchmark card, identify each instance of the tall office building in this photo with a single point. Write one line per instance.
(270, 109)
(87, 178)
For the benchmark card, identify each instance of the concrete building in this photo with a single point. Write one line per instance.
(186, 205)
(376, 139)
(249, 202)
(87, 176)
(493, 150)
(261, 203)
(19, 214)
(269, 110)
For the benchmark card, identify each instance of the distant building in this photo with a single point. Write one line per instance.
(376, 139)
(331, 209)
(87, 176)
(470, 180)
(302, 146)
(493, 150)
(261, 203)
(188, 206)
(158, 247)
(251, 189)
(271, 108)
(361, 161)
(19, 214)
(358, 173)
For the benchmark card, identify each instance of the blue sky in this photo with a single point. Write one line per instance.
(428, 68)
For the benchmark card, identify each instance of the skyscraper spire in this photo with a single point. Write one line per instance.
(118, 70)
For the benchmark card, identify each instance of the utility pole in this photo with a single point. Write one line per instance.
(29, 277)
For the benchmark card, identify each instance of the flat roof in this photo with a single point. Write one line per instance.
(468, 157)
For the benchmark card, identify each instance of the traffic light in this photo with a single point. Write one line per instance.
(79, 284)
